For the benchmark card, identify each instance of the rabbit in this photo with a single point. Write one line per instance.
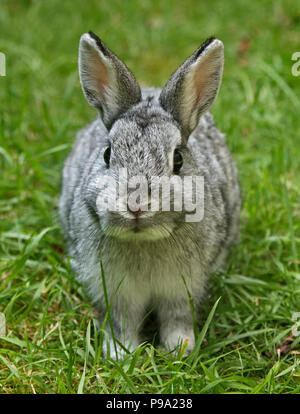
(133, 260)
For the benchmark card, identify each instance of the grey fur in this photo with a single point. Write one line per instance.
(142, 272)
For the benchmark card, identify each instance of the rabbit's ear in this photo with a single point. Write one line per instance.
(194, 85)
(107, 83)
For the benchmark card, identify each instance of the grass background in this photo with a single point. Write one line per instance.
(52, 344)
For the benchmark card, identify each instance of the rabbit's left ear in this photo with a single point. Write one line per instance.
(107, 83)
(194, 86)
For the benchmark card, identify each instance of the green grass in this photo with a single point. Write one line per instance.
(52, 343)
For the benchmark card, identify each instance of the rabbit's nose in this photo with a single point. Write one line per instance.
(136, 214)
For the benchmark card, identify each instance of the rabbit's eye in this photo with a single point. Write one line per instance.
(177, 161)
(106, 156)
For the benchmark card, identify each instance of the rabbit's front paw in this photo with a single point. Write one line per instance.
(112, 350)
(182, 338)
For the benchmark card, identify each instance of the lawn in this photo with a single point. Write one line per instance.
(52, 344)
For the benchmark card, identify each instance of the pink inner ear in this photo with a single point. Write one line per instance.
(98, 71)
(202, 76)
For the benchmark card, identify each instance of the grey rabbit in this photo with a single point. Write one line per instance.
(151, 259)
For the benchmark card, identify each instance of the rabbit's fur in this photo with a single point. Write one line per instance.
(157, 259)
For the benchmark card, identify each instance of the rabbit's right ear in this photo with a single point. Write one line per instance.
(107, 83)
(193, 87)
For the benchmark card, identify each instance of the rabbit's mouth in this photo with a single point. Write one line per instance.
(146, 226)
(139, 233)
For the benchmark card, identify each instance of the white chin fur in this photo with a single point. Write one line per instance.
(152, 233)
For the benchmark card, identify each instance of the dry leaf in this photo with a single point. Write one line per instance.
(242, 50)
(243, 46)
(285, 346)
